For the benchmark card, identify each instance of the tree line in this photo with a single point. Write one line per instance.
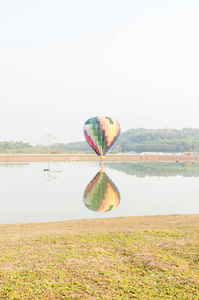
(137, 140)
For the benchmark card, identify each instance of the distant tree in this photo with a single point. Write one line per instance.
(48, 140)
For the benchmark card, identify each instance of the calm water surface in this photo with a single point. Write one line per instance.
(77, 190)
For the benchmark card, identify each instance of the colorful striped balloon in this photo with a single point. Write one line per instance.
(101, 134)
(101, 194)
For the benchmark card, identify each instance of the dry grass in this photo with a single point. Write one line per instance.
(121, 258)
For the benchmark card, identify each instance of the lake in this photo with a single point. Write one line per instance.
(79, 190)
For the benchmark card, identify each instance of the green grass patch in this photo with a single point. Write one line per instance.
(132, 261)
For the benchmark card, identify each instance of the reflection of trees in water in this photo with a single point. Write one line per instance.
(48, 174)
(10, 165)
(142, 169)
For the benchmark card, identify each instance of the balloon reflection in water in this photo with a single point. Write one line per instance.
(101, 194)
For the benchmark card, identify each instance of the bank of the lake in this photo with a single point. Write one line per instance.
(151, 257)
(94, 157)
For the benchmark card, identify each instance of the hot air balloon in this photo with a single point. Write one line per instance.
(101, 134)
(101, 194)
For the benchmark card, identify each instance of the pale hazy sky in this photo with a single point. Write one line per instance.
(64, 61)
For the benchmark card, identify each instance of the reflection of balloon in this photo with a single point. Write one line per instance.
(101, 194)
(101, 133)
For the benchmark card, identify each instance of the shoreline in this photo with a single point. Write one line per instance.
(73, 157)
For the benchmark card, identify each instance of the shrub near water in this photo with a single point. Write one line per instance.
(121, 258)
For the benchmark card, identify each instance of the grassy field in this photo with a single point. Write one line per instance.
(155, 257)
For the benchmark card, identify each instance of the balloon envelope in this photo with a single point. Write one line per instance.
(101, 194)
(101, 133)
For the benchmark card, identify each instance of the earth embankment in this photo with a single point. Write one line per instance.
(63, 157)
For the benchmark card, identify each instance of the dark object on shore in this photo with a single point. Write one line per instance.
(176, 160)
(46, 169)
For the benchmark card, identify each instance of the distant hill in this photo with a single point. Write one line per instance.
(148, 140)
(160, 140)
